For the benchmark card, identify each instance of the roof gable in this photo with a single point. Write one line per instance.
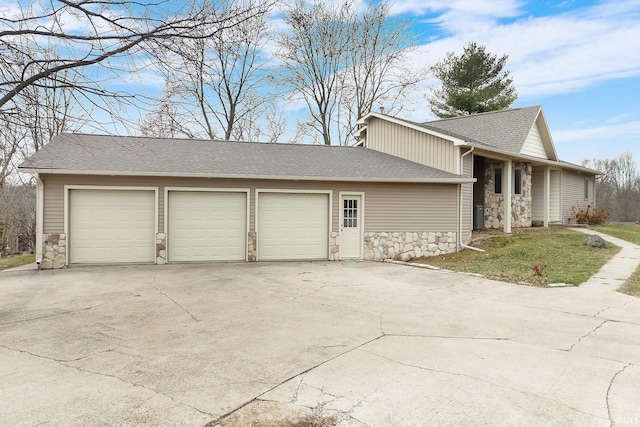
(505, 130)
(533, 145)
(539, 142)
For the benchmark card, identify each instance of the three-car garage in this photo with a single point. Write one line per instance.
(120, 225)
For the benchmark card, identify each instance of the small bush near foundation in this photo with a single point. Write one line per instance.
(589, 215)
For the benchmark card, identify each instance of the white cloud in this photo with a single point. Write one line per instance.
(455, 12)
(553, 54)
(606, 140)
(620, 132)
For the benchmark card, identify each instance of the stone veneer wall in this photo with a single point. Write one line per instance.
(379, 246)
(334, 246)
(494, 203)
(251, 246)
(161, 248)
(54, 251)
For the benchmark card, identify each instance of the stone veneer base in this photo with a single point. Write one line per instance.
(380, 246)
(54, 253)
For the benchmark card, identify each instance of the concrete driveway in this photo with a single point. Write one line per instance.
(350, 344)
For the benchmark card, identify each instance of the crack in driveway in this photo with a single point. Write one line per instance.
(177, 304)
(64, 362)
(613, 378)
(409, 365)
(589, 333)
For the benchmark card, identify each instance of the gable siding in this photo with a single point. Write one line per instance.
(393, 207)
(533, 144)
(411, 144)
(572, 187)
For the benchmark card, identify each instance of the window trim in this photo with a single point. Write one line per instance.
(586, 188)
(517, 191)
(497, 184)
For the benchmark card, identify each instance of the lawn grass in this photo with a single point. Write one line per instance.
(16, 261)
(558, 255)
(630, 233)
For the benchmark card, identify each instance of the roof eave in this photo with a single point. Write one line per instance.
(452, 180)
(531, 159)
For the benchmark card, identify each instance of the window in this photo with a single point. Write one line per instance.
(517, 181)
(586, 188)
(497, 180)
(350, 213)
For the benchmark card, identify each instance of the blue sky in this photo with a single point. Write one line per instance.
(580, 60)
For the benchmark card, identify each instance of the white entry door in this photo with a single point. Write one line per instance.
(350, 226)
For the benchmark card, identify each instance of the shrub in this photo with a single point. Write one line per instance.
(589, 215)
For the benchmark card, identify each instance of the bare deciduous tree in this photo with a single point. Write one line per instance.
(217, 84)
(378, 73)
(618, 188)
(342, 63)
(94, 32)
(313, 53)
(60, 58)
(17, 217)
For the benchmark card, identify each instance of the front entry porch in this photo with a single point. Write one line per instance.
(515, 194)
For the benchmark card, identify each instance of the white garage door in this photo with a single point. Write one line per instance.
(293, 226)
(111, 226)
(207, 226)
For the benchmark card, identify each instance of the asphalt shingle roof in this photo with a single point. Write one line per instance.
(79, 153)
(505, 130)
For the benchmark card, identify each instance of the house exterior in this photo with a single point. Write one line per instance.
(518, 179)
(104, 199)
(405, 190)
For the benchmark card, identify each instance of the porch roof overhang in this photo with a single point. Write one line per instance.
(535, 161)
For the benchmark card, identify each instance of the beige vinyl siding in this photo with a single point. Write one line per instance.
(537, 194)
(388, 206)
(533, 144)
(573, 192)
(53, 205)
(412, 145)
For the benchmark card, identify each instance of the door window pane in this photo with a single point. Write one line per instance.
(350, 213)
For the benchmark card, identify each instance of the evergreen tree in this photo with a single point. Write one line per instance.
(475, 82)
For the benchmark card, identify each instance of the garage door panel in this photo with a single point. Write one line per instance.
(293, 226)
(111, 226)
(207, 226)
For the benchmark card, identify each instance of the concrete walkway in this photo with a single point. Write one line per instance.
(619, 268)
(26, 267)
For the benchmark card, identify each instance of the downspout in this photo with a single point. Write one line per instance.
(39, 217)
(460, 244)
